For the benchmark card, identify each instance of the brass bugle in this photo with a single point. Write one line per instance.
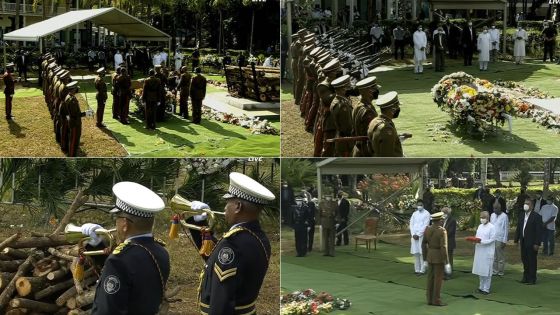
(73, 233)
(216, 219)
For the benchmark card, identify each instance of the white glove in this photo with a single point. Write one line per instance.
(200, 217)
(158, 103)
(197, 205)
(336, 226)
(88, 229)
(448, 269)
(308, 228)
(425, 265)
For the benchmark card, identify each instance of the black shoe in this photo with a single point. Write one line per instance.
(100, 125)
(530, 283)
(522, 281)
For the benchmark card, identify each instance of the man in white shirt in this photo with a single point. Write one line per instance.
(483, 45)
(268, 62)
(495, 41)
(519, 44)
(549, 212)
(163, 58)
(376, 33)
(420, 42)
(484, 253)
(419, 221)
(118, 59)
(501, 225)
(156, 60)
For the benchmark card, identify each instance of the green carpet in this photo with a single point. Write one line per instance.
(383, 282)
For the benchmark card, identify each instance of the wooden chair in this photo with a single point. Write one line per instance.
(369, 234)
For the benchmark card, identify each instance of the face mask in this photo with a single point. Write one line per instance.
(420, 29)
(420, 208)
(483, 221)
(470, 24)
(493, 27)
(445, 216)
(526, 207)
(485, 31)
(397, 112)
(497, 210)
(549, 202)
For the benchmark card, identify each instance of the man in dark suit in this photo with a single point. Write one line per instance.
(151, 96)
(538, 202)
(529, 237)
(198, 92)
(501, 200)
(440, 46)
(468, 39)
(450, 225)
(342, 219)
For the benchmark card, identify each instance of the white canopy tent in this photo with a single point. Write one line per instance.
(112, 19)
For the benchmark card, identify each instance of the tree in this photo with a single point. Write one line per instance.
(255, 4)
(299, 173)
(220, 5)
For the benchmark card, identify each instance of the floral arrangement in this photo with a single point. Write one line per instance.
(471, 102)
(308, 302)
(211, 61)
(203, 166)
(256, 125)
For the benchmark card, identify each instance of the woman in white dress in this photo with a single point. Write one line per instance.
(519, 44)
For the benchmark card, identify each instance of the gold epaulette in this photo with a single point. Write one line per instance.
(160, 242)
(120, 247)
(234, 231)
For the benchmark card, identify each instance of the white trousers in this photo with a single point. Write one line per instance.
(485, 283)
(418, 263)
(519, 59)
(418, 67)
(483, 65)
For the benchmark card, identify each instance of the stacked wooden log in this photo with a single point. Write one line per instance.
(258, 83)
(35, 277)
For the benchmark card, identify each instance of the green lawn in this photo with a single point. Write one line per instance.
(429, 125)
(177, 137)
(383, 282)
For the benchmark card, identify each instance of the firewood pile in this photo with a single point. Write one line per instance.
(258, 83)
(36, 277)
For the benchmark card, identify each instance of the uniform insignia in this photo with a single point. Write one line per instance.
(160, 242)
(120, 247)
(226, 256)
(230, 233)
(224, 275)
(111, 284)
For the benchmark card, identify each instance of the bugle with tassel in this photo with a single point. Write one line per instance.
(73, 233)
(202, 232)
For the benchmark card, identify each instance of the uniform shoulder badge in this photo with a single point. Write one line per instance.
(160, 242)
(232, 232)
(120, 247)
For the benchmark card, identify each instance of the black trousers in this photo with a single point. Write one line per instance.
(150, 112)
(310, 236)
(548, 50)
(399, 44)
(301, 239)
(342, 238)
(467, 55)
(529, 259)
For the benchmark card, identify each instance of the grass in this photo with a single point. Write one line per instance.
(186, 263)
(421, 117)
(175, 137)
(382, 282)
(31, 134)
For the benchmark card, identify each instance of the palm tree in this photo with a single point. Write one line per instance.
(254, 4)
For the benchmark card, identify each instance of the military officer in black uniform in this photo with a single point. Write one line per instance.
(134, 276)
(301, 222)
(234, 272)
(101, 96)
